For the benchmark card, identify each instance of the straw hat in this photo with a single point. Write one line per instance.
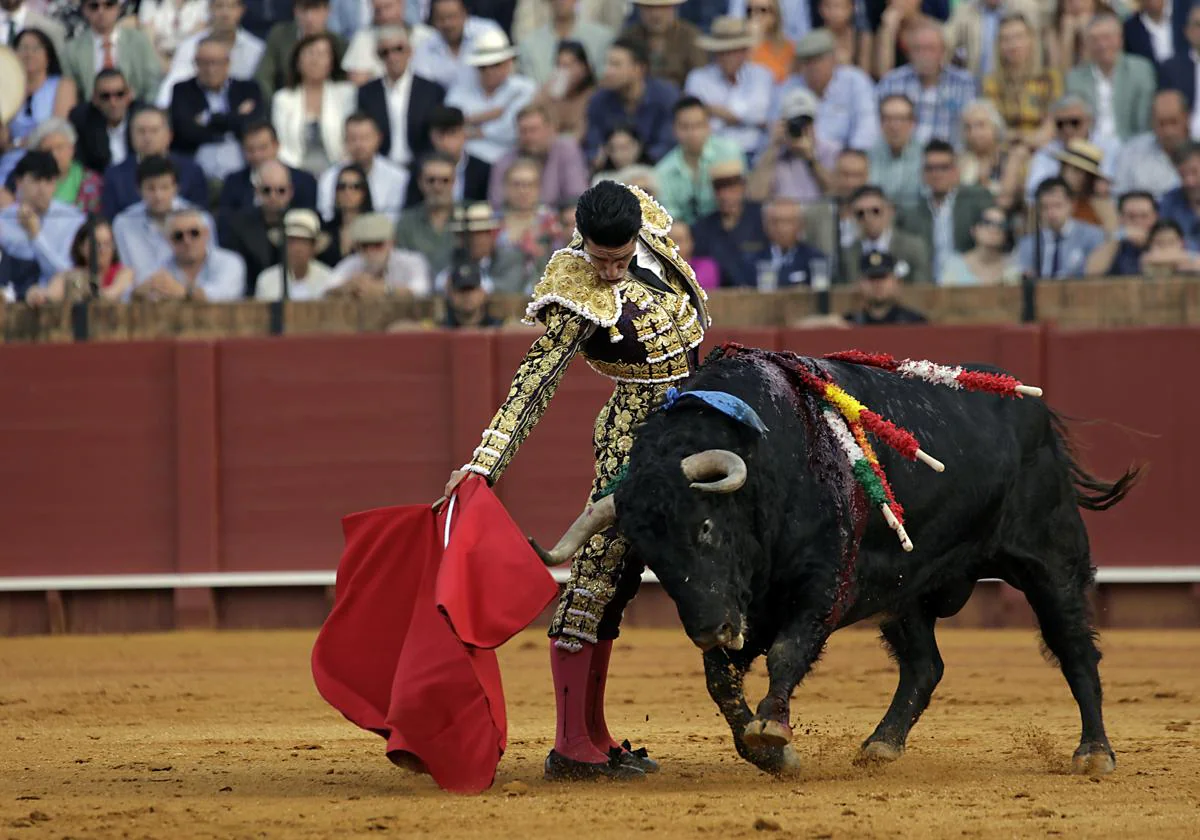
(301, 224)
(733, 168)
(1082, 155)
(371, 227)
(492, 47)
(12, 84)
(728, 34)
(474, 218)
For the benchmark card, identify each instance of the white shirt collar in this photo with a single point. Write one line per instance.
(646, 259)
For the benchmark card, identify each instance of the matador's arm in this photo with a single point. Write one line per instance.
(532, 388)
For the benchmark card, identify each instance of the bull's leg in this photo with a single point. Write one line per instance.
(788, 662)
(911, 642)
(726, 679)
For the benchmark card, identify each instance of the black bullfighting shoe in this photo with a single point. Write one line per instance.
(559, 768)
(630, 757)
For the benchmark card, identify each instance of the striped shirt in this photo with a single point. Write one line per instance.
(939, 108)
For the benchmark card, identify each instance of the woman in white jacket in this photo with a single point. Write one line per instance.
(310, 115)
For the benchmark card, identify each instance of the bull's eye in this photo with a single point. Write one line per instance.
(706, 529)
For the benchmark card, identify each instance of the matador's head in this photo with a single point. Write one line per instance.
(609, 217)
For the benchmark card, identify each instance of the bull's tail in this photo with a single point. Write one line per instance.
(1091, 493)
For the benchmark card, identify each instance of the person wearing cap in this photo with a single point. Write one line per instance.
(684, 180)
(308, 279)
(1146, 162)
(798, 162)
(846, 109)
(1073, 120)
(672, 45)
(628, 94)
(1118, 86)
(425, 227)
(364, 60)
(737, 93)
(492, 98)
(896, 158)
(733, 235)
(874, 219)
(376, 268)
(196, 270)
(501, 267)
(620, 296)
(1081, 170)
(1065, 244)
(539, 47)
(467, 299)
(938, 90)
(442, 57)
(248, 232)
(879, 289)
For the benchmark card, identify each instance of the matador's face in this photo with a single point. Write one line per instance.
(610, 263)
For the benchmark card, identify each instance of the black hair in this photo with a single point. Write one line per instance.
(1051, 184)
(335, 67)
(636, 48)
(576, 49)
(685, 102)
(255, 126)
(938, 146)
(80, 242)
(361, 117)
(154, 167)
(53, 66)
(1134, 195)
(1160, 226)
(446, 118)
(368, 206)
(608, 214)
(39, 165)
(109, 73)
(622, 127)
(868, 190)
(1189, 149)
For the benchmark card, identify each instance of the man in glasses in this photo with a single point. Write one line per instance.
(260, 144)
(400, 101)
(363, 61)
(1072, 117)
(388, 181)
(194, 270)
(733, 235)
(140, 230)
(104, 46)
(103, 123)
(874, 217)
(245, 50)
(425, 227)
(248, 232)
(150, 135)
(309, 17)
(377, 268)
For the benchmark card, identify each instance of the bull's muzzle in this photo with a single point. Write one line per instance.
(725, 636)
(595, 518)
(715, 471)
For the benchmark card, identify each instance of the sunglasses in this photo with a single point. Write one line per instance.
(97, 5)
(384, 52)
(266, 189)
(112, 95)
(863, 212)
(186, 233)
(349, 185)
(1069, 122)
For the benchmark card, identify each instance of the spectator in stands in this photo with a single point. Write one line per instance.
(20, 17)
(501, 267)
(947, 212)
(1179, 73)
(1182, 204)
(1072, 121)
(77, 186)
(622, 150)
(527, 228)
(626, 91)
(850, 172)
(310, 17)
(737, 93)
(797, 162)
(104, 45)
(442, 57)
(875, 218)
(971, 32)
(538, 50)
(245, 50)
(389, 182)
(210, 111)
(1166, 254)
(684, 185)
(563, 169)
(248, 232)
(47, 93)
(846, 109)
(990, 262)
(467, 299)
(567, 93)
(896, 157)
(140, 229)
(194, 270)
(377, 269)
(492, 98)
(795, 16)
(849, 24)
(352, 198)
(400, 98)
(792, 261)
(708, 276)
(1121, 256)
(899, 21)
(1081, 170)
(879, 289)
(670, 44)
(108, 281)
(363, 62)
(938, 90)
(448, 131)
(261, 15)
(37, 227)
(103, 123)
(167, 22)
(150, 135)
(1119, 87)
(425, 227)
(1151, 34)
(734, 234)
(307, 277)
(531, 15)
(1145, 162)
(773, 48)
(1065, 243)
(987, 159)
(259, 145)
(310, 115)
(1021, 89)
(1065, 46)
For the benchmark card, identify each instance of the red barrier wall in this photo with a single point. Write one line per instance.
(242, 455)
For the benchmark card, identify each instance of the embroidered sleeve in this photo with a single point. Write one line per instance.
(532, 388)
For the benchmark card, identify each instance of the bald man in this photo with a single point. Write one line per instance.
(246, 232)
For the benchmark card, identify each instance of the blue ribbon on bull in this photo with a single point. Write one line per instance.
(729, 405)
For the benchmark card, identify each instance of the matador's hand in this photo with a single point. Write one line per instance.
(456, 478)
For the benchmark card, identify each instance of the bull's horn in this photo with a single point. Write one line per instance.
(725, 470)
(595, 518)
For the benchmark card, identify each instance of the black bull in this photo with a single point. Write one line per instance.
(756, 558)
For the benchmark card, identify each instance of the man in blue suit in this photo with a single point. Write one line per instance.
(1154, 33)
(1180, 72)
(150, 134)
(791, 259)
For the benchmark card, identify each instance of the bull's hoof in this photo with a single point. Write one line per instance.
(782, 762)
(1093, 760)
(760, 733)
(878, 752)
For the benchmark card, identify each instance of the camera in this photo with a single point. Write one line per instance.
(797, 126)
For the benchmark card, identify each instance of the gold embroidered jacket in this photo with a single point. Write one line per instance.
(634, 334)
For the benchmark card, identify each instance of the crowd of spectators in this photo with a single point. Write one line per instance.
(228, 149)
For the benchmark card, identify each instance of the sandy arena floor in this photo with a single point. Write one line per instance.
(223, 735)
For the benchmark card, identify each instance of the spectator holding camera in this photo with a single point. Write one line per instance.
(846, 111)
(798, 163)
(684, 186)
